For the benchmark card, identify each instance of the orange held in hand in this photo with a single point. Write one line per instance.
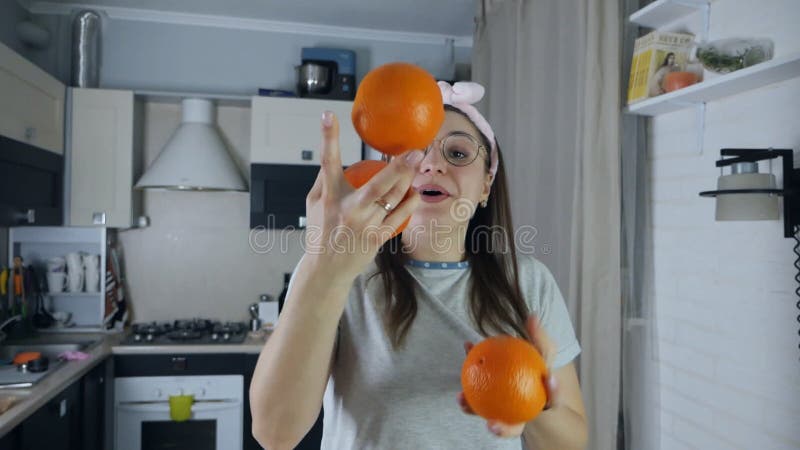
(398, 107)
(503, 379)
(359, 173)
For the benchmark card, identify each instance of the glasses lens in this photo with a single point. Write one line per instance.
(459, 150)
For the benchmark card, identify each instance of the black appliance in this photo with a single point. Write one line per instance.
(278, 195)
(31, 185)
(186, 332)
(328, 73)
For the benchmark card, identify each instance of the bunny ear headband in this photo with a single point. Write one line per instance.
(462, 95)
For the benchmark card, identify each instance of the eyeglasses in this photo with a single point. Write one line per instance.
(458, 148)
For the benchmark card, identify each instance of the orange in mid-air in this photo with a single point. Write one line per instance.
(503, 379)
(398, 107)
(359, 173)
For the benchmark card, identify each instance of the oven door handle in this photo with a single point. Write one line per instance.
(164, 407)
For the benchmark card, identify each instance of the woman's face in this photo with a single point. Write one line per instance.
(450, 194)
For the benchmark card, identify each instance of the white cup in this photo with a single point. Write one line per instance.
(75, 280)
(92, 281)
(74, 260)
(61, 317)
(91, 269)
(56, 264)
(55, 281)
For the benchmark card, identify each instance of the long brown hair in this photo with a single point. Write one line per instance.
(496, 301)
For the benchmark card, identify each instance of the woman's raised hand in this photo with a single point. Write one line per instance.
(346, 226)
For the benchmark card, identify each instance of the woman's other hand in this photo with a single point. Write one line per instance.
(547, 348)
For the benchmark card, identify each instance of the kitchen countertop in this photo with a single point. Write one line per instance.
(31, 399)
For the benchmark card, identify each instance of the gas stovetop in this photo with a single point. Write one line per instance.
(187, 332)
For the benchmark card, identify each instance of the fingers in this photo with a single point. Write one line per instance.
(316, 190)
(405, 209)
(468, 346)
(551, 384)
(504, 430)
(391, 183)
(330, 158)
(462, 402)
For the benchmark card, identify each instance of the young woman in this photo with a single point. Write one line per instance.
(375, 328)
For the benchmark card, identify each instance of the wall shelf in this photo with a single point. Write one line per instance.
(74, 294)
(664, 12)
(763, 74)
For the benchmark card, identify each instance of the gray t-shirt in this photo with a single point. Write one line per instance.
(381, 398)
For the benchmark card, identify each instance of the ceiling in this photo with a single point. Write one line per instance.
(449, 18)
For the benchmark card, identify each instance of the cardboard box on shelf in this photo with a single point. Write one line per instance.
(654, 55)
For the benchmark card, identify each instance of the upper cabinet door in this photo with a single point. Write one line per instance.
(287, 130)
(101, 158)
(32, 105)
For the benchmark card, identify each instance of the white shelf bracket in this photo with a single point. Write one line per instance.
(700, 111)
(706, 8)
(700, 120)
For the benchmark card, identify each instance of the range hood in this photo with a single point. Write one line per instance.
(195, 158)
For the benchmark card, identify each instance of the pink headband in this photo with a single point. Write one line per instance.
(462, 95)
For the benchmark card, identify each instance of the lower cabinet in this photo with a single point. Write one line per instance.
(56, 424)
(72, 420)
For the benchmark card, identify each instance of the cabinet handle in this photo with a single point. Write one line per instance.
(30, 133)
(301, 221)
(98, 218)
(307, 155)
(62, 408)
(27, 216)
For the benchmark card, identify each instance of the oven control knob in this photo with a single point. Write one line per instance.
(137, 337)
(214, 336)
(226, 336)
(149, 337)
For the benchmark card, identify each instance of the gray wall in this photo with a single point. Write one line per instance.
(10, 14)
(55, 58)
(175, 57)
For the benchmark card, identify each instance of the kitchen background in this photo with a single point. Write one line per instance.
(196, 257)
(727, 328)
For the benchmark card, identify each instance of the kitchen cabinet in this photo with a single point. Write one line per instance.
(32, 109)
(103, 161)
(31, 184)
(95, 420)
(56, 424)
(75, 419)
(36, 244)
(286, 130)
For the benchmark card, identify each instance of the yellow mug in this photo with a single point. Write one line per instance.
(180, 407)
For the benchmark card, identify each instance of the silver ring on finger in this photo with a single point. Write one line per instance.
(384, 204)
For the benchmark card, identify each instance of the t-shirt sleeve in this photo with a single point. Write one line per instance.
(544, 299)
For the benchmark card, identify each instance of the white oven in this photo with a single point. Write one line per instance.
(142, 413)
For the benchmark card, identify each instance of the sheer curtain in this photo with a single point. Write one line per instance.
(552, 72)
(640, 421)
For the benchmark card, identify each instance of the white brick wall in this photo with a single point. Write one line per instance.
(724, 291)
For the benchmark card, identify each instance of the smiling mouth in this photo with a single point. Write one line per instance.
(431, 192)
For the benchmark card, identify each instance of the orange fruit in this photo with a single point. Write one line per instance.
(398, 107)
(503, 379)
(359, 173)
